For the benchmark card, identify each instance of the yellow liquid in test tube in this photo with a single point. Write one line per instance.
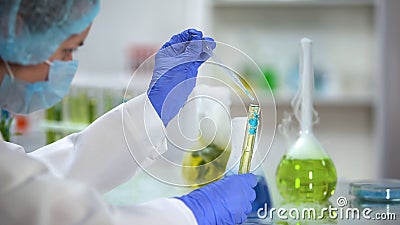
(249, 138)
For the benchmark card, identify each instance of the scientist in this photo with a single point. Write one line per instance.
(62, 183)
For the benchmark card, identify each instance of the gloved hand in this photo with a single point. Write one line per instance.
(175, 71)
(224, 202)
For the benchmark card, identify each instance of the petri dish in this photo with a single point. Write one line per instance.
(385, 190)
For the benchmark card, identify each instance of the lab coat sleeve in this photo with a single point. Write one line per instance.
(160, 211)
(112, 149)
(31, 194)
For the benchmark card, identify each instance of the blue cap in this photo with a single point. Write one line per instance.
(32, 30)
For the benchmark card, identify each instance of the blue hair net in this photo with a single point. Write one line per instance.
(32, 30)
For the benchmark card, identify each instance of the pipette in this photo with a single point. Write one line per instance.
(228, 71)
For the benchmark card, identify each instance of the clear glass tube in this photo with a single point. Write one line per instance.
(228, 72)
(249, 138)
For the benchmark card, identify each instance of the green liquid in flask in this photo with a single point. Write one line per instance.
(306, 180)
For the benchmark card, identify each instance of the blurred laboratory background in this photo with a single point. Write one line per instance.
(356, 55)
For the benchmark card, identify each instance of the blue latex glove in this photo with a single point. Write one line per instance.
(224, 202)
(175, 71)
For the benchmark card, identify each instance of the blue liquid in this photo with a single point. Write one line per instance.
(262, 197)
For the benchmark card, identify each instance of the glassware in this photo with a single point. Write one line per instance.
(385, 190)
(249, 138)
(233, 76)
(306, 173)
(5, 124)
(203, 166)
(207, 158)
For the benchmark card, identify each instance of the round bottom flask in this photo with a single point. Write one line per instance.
(306, 173)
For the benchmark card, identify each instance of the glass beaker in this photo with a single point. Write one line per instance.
(205, 165)
(206, 161)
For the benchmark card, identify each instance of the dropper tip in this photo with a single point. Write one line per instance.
(249, 95)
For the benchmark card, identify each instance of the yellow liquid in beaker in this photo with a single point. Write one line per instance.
(205, 165)
(306, 180)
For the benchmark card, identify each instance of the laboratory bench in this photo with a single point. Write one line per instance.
(144, 187)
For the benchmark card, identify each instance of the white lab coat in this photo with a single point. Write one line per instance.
(62, 183)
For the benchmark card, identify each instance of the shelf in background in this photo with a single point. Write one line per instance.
(63, 126)
(110, 81)
(339, 100)
(229, 3)
(347, 101)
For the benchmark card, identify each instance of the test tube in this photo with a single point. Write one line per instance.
(249, 138)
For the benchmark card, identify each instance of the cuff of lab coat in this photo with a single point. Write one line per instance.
(159, 211)
(187, 214)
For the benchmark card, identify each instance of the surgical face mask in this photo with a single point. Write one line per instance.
(21, 97)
